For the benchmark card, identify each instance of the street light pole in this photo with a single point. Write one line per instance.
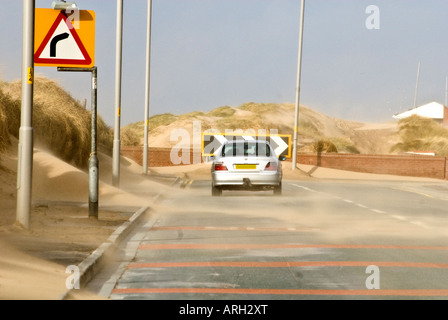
(416, 85)
(299, 71)
(148, 78)
(25, 152)
(446, 91)
(118, 63)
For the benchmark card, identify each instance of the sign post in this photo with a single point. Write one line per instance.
(66, 39)
(93, 160)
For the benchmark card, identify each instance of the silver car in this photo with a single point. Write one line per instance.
(246, 165)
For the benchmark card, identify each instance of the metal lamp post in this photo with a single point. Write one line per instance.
(25, 153)
(118, 67)
(148, 80)
(299, 71)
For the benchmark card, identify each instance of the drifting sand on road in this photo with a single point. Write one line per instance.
(302, 172)
(33, 262)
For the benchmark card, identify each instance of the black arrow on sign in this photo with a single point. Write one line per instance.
(54, 41)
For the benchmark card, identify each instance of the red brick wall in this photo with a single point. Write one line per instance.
(157, 157)
(446, 168)
(405, 165)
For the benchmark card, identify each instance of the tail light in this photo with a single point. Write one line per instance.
(220, 167)
(271, 166)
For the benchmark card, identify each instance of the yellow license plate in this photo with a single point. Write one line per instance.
(245, 166)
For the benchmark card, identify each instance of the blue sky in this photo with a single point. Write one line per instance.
(210, 53)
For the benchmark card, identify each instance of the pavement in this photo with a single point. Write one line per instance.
(96, 261)
(89, 267)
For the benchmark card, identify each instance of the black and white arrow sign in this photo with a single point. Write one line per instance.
(279, 145)
(212, 141)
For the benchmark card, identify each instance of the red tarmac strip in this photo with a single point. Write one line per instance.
(372, 292)
(287, 264)
(227, 246)
(210, 228)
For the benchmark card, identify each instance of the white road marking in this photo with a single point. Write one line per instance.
(398, 217)
(420, 224)
(414, 191)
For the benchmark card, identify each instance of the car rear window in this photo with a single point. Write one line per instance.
(246, 149)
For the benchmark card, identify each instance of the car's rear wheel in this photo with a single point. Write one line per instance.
(278, 189)
(216, 192)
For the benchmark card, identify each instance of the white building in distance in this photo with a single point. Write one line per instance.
(433, 110)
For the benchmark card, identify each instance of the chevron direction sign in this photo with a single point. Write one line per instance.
(281, 143)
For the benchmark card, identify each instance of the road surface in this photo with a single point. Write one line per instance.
(322, 239)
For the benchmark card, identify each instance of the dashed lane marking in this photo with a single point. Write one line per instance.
(401, 218)
(398, 217)
(420, 224)
(414, 191)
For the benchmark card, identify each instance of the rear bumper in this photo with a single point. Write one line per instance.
(243, 180)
